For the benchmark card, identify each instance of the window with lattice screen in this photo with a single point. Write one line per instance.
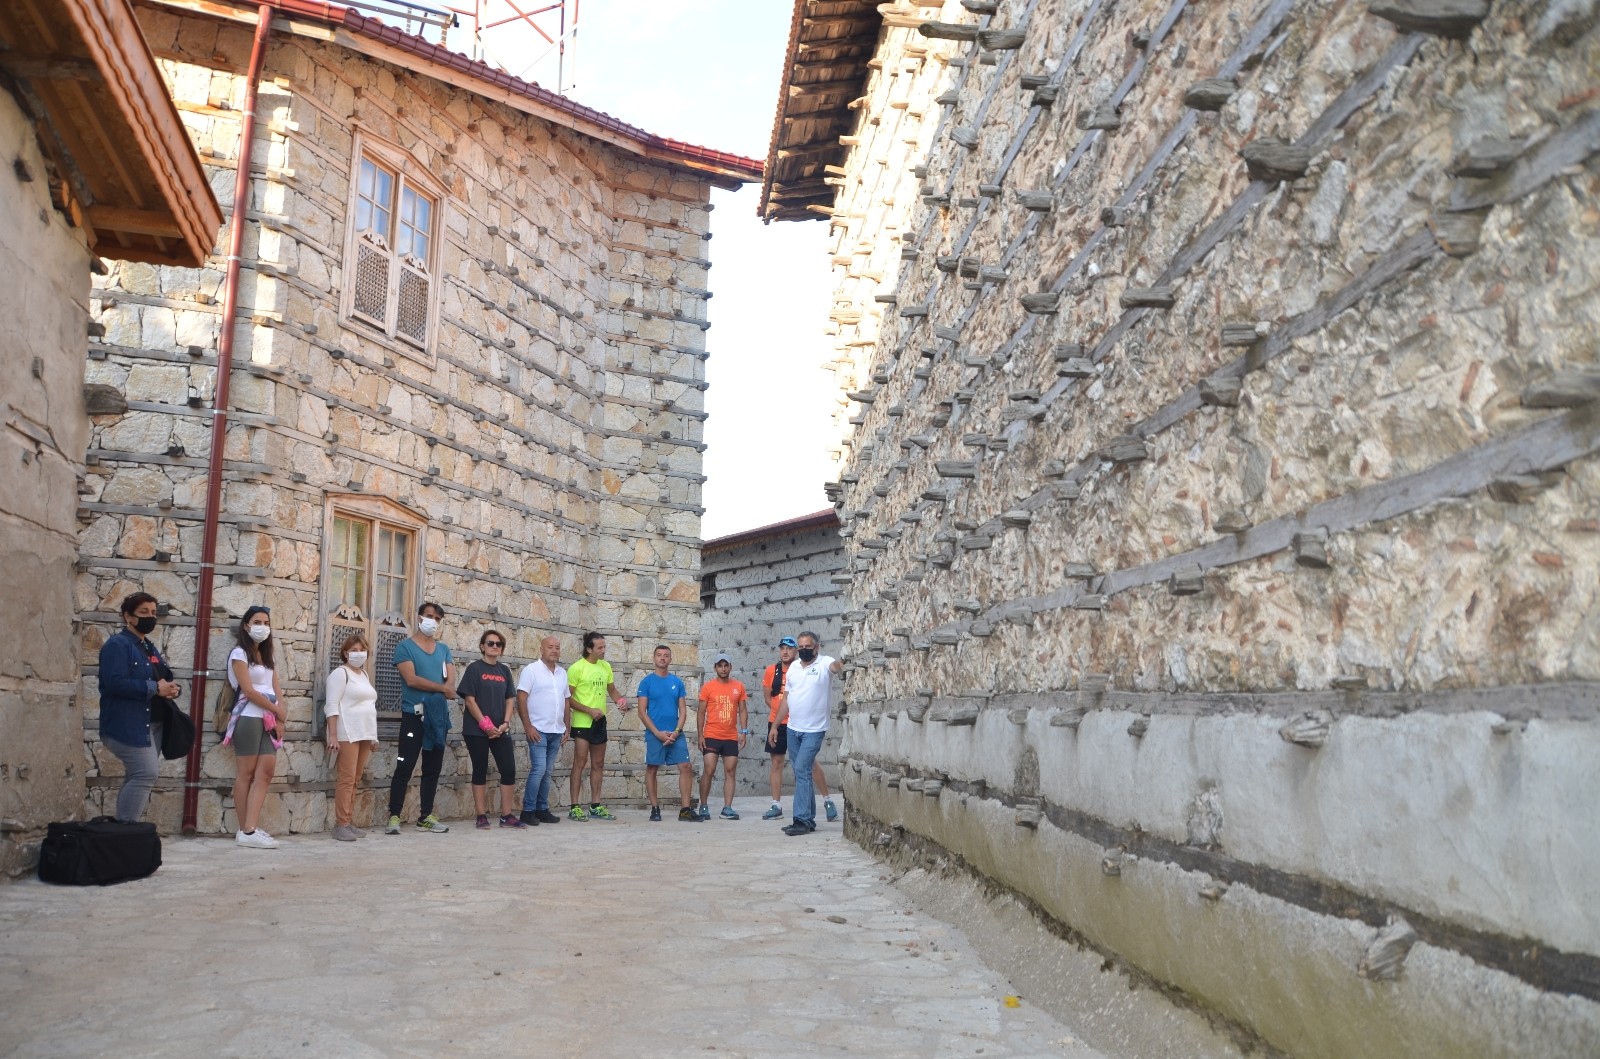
(370, 585)
(389, 274)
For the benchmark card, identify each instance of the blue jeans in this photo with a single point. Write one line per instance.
(139, 767)
(541, 763)
(803, 749)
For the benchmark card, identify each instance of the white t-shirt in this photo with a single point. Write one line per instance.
(810, 692)
(547, 696)
(260, 679)
(352, 699)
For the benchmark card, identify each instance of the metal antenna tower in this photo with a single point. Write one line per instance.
(518, 28)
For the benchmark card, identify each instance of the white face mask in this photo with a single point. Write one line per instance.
(259, 633)
(358, 659)
(428, 626)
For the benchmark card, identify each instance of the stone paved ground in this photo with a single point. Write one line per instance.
(600, 939)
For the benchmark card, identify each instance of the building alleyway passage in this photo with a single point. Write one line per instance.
(724, 938)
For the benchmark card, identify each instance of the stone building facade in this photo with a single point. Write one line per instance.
(1220, 490)
(757, 587)
(126, 185)
(471, 364)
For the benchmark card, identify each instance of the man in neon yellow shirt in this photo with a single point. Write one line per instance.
(592, 683)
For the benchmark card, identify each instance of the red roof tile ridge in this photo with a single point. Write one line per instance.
(367, 26)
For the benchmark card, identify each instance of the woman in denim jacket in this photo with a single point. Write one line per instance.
(127, 684)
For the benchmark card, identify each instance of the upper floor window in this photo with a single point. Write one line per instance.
(389, 262)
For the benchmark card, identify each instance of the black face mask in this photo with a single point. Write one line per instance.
(145, 626)
(808, 654)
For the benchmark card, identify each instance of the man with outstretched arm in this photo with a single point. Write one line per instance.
(807, 695)
(777, 745)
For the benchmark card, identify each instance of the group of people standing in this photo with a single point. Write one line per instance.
(554, 705)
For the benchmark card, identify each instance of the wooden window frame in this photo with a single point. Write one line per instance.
(335, 615)
(408, 173)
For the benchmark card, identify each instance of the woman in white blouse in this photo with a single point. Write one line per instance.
(352, 711)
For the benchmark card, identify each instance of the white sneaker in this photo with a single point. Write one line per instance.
(257, 840)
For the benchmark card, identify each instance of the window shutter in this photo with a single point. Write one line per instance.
(389, 632)
(411, 312)
(346, 619)
(372, 278)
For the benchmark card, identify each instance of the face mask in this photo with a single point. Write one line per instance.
(428, 626)
(259, 633)
(358, 659)
(808, 654)
(145, 626)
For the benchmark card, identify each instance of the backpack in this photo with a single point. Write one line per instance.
(222, 705)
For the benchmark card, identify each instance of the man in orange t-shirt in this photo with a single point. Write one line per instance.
(724, 722)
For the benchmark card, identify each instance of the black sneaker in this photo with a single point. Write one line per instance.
(655, 814)
(545, 816)
(798, 828)
(688, 815)
(528, 817)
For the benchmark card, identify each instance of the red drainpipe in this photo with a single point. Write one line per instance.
(219, 418)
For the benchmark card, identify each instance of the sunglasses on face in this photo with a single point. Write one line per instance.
(492, 643)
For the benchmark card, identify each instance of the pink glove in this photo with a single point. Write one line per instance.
(269, 721)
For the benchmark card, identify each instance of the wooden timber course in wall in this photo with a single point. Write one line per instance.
(1219, 491)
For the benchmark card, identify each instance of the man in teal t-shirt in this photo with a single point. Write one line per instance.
(592, 683)
(427, 684)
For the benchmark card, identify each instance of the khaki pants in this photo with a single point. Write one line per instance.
(351, 763)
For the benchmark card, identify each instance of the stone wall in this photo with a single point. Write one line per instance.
(544, 451)
(1222, 500)
(758, 587)
(43, 316)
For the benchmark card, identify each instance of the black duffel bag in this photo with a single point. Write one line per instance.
(98, 852)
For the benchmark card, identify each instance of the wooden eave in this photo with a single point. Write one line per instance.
(826, 67)
(125, 170)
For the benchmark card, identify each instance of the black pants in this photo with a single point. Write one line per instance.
(505, 759)
(405, 759)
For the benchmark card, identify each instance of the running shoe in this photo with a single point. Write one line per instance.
(704, 812)
(600, 812)
(688, 815)
(655, 814)
(483, 822)
(798, 828)
(432, 823)
(545, 816)
(512, 820)
(728, 813)
(394, 826)
(831, 810)
(257, 839)
(577, 813)
(775, 813)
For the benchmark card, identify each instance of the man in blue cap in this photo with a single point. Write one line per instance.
(778, 735)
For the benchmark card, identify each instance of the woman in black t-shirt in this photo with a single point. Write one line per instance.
(485, 688)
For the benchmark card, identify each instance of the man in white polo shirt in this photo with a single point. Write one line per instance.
(807, 695)
(544, 703)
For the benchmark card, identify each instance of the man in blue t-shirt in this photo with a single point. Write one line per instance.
(664, 709)
(427, 685)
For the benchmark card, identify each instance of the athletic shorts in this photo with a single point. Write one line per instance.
(779, 745)
(720, 747)
(250, 739)
(595, 733)
(658, 753)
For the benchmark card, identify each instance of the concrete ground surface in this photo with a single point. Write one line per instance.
(598, 939)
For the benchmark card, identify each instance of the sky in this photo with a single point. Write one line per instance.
(708, 71)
